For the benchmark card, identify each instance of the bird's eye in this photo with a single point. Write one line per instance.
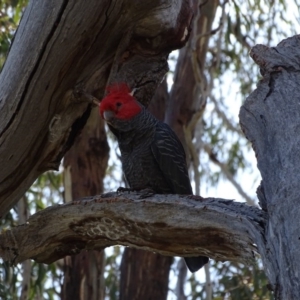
(118, 104)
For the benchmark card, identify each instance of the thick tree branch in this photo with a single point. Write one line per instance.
(221, 229)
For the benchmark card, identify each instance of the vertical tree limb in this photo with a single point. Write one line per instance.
(270, 119)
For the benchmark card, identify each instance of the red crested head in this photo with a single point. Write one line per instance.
(119, 103)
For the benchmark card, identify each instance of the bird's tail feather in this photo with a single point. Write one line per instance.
(196, 263)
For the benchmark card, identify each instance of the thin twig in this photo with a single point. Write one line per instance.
(223, 116)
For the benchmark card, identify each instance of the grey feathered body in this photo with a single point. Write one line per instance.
(153, 157)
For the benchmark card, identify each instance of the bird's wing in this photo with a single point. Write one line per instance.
(170, 156)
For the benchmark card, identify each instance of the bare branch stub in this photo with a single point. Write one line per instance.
(221, 229)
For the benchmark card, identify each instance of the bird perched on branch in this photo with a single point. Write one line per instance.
(152, 156)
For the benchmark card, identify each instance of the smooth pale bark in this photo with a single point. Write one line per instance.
(189, 91)
(62, 46)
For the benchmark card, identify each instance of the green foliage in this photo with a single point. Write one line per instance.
(232, 75)
(233, 281)
(45, 280)
(239, 282)
(10, 15)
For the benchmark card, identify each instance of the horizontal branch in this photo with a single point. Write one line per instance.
(168, 224)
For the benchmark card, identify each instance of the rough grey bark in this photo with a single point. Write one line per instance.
(221, 229)
(60, 46)
(270, 119)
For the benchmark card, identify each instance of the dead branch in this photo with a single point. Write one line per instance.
(167, 224)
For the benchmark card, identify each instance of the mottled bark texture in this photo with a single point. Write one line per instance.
(61, 46)
(85, 166)
(145, 274)
(167, 224)
(270, 119)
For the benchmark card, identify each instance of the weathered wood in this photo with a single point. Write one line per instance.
(167, 224)
(60, 45)
(270, 119)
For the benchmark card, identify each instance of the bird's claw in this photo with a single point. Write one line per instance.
(123, 189)
(144, 192)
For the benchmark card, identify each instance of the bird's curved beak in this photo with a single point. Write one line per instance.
(108, 115)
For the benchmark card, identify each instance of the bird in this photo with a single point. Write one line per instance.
(152, 156)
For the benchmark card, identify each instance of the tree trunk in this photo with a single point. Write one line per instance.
(26, 265)
(144, 275)
(187, 95)
(85, 165)
(270, 119)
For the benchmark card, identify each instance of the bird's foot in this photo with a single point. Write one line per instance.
(145, 192)
(123, 190)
